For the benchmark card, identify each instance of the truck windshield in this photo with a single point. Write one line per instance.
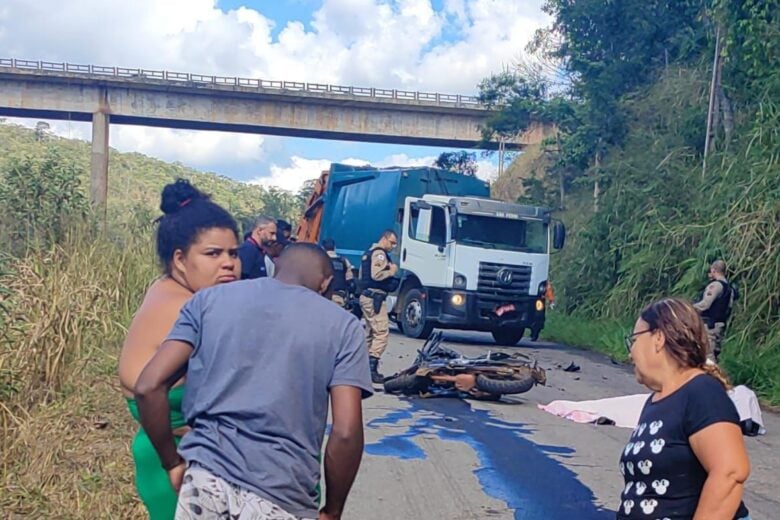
(529, 236)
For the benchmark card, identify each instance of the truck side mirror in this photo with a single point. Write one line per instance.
(559, 235)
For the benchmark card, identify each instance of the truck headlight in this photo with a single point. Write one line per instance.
(457, 299)
(459, 282)
(539, 305)
(542, 288)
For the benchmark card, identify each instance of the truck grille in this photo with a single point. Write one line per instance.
(492, 286)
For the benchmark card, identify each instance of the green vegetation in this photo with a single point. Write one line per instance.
(626, 165)
(135, 180)
(581, 331)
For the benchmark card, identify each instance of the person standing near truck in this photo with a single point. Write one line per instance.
(377, 279)
(253, 251)
(343, 280)
(714, 306)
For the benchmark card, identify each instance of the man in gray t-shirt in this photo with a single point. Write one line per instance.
(262, 357)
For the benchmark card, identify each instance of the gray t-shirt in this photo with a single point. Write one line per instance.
(265, 355)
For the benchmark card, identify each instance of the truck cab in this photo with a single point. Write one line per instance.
(466, 261)
(473, 263)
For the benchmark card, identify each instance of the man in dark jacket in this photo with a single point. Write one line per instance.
(253, 251)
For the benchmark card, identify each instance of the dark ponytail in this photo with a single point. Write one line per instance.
(187, 212)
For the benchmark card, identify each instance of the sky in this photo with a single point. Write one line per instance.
(445, 46)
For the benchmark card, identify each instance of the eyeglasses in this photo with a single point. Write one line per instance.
(631, 338)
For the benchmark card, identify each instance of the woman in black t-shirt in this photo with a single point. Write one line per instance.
(686, 458)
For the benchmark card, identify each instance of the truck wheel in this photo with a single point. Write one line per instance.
(508, 337)
(413, 321)
(400, 325)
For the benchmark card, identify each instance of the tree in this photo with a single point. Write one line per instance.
(462, 162)
(304, 193)
(39, 197)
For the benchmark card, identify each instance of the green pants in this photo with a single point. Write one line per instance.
(151, 480)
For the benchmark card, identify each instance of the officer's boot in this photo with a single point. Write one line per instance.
(376, 377)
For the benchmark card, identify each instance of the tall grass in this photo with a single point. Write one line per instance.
(661, 221)
(64, 428)
(582, 331)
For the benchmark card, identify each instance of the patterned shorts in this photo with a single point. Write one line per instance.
(204, 496)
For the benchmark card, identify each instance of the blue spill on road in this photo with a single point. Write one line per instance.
(512, 468)
(400, 445)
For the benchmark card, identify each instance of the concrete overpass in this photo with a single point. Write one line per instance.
(46, 90)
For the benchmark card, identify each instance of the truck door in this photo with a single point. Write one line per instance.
(424, 242)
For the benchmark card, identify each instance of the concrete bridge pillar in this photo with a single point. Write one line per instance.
(99, 162)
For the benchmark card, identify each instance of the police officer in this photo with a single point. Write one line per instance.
(715, 306)
(377, 272)
(284, 231)
(252, 252)
(343, 279)
(272, 252)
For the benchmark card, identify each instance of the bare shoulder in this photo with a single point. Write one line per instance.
(150, 325)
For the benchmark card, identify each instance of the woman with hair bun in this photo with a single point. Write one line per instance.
(686, 458)
(197, 247)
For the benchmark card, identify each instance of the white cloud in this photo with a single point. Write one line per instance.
(487, 170)
(382, 43)
(292, 177)
(205, 150)
(301, 169)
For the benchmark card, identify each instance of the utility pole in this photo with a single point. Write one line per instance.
(501, 152)
(713, 93)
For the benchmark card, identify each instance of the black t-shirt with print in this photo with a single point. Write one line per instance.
(663, 477)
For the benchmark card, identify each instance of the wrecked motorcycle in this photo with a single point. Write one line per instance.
(440, 370)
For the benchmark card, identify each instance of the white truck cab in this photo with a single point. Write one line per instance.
(474, 263)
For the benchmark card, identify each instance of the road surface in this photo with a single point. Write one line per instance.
(451, 459)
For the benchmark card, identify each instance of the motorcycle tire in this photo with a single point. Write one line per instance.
(407, 384)
(505, 386)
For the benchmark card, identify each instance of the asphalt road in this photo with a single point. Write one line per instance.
(446, 458)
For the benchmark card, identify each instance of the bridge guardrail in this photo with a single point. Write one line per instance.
(200, 79)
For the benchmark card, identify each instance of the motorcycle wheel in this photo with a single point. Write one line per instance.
(407, 384)
(505, 386)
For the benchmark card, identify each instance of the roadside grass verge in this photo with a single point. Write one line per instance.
(751, 365)
(604, 336)
(65, 429)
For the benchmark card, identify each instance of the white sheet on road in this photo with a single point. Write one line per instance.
(625, 410)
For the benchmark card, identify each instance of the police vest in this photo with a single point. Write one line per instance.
(366, 281)
(339, 282)
(720, 310)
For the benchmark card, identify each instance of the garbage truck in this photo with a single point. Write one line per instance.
(466, 261)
